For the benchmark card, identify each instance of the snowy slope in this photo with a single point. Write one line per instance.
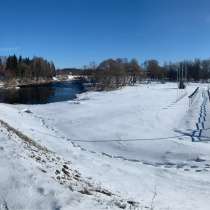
(168, 173)
(32, 177)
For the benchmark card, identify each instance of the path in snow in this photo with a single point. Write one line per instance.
(203, 124)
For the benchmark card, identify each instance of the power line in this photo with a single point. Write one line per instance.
(127, 140)
(122, 140)
(115, 140)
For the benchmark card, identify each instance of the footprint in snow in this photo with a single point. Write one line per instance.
(40, 190)
(198, 170)
(193, 166)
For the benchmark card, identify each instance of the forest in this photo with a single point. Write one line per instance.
(109, 74)
(114, 73)
(25, 69)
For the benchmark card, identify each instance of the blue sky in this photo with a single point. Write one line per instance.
(73, 33)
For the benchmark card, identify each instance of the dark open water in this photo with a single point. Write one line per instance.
(42, 94)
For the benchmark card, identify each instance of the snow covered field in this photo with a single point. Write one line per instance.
(135, 143)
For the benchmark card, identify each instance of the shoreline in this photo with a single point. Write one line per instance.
(15, 84)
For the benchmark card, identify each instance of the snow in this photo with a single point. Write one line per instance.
(71, 77)
(55, 78)
(134, 142)
(28, 180)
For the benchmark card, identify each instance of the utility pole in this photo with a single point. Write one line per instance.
(181, 84)
(185, 72)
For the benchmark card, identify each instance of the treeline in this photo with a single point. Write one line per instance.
(114, 73)
(196, 70)
(26, 69)
(109, 74)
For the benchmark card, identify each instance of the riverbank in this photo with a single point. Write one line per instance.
(16, 83)
(130, 141)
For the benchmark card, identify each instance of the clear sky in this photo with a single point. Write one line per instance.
(73, 33)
